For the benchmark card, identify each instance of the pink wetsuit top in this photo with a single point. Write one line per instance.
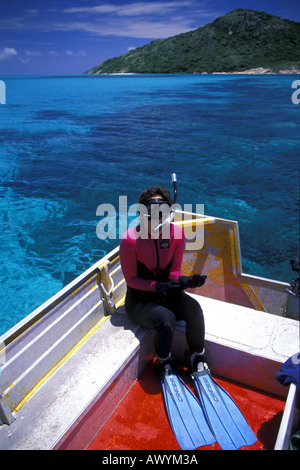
(160, 258)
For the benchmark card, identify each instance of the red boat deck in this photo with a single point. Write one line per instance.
(140, 421)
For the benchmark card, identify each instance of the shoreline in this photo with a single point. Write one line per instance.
(261, 71)
(253, 71)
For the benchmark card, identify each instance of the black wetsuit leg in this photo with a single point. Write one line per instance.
(150, 311)
(188, 309)
(145, 310)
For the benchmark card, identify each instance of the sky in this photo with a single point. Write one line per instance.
(58, 37)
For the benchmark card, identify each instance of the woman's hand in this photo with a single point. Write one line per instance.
(197, 280)
(169, 287)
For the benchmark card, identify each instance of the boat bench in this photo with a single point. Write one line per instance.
(72, 405)
(245, 345)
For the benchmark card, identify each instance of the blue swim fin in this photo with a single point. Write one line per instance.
(223, 415)
(185, 413)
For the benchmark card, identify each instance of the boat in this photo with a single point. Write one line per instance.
(70, 365)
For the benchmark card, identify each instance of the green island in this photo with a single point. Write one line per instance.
(246, 41)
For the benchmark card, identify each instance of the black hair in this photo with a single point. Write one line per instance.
(150, 193)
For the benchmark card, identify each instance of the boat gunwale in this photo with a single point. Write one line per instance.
(36, 315)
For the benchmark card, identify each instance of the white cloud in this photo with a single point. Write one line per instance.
(68, 52)
(55, 53)
(28, 55)
(97, 9)
(149, 20)
(144, 8)
(32, 53)
(139, 19)
(80, 53)
(133, 9)
(31, 13)
(7, 53)
(127, 28)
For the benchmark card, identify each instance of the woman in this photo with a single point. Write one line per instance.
(151, 266)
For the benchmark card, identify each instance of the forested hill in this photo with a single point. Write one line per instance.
(239, 40)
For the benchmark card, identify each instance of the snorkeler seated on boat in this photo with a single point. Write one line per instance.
(151, 257)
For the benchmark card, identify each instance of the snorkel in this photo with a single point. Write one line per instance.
(174, 181)
(170, 218)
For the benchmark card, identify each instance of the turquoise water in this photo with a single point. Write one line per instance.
(71, 143)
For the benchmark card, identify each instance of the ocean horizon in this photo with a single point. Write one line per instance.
(72, 143)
